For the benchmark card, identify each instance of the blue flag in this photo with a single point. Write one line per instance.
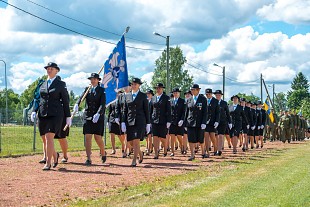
(36, 96)
(267, 108)
(115, 75)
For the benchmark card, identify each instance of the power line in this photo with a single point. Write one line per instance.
(73, 31)
(204, 66)
(89, 25)
(201, 69)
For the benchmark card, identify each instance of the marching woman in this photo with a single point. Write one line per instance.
(196, 120)
(245, 127)
(161, 119)
(188, 95)
(114, 126)
(53, 108)
(136, 119)
(225, 121)
(93, 116)
(237, 114)
(176, 130)
(149, 138)
(252, 130)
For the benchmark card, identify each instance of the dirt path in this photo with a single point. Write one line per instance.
(23, 183)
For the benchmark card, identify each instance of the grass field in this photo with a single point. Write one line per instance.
(18, 140)
(277, 177)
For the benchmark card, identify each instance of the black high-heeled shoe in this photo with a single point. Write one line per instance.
(141, 158)
(104, 158)
(43, 161)
(133, 165)
(56, 163)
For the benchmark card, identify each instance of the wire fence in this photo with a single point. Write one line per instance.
(21, 137)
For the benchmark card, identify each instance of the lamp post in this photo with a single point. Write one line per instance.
(6, 93)
(223, 67)
(167, 61)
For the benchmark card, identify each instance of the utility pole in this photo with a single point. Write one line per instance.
(261, 87)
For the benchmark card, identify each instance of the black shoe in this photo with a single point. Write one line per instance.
(229, 146)
(257, 146)
(172, 155)
(133, 165)
(252, 147)
(141, 158)
(45, 168)
(104, 158)
(88, 162)
(43, 161)
(165, 154)
(219, 153)
(205, 156)
(155, 157)
(113, 152)
(243, 149)
(215, 153)
(289, 141)
(261, 146)
(176, 148)
(191, 158)
(56, 163)
(64, 160)
(210, 149)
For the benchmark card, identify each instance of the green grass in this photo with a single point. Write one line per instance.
(279, 177)
(18, 140)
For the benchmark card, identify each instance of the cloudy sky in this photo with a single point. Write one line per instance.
(271, 37)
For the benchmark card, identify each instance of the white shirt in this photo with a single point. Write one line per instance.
(134, 95)
(195, 98)
(158, 97)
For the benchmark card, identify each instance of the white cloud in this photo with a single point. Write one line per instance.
(290, 11)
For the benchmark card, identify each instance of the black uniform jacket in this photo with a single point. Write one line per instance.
(249, 116)
(136, 112)
(94, 103)
(237, 115)
(161, 113)
(258, 117)
(112, 114)
(196, 113)
(224, 113)
(213, 111)
(54, 101)
(177, 110)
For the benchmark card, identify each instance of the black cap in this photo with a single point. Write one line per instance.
(176, 90)
(195, 86)
(188, 92)
(150, 91)
(136, 80)
(253, 103)
(208, 90)
(218, 92)
(242, 99)
(94, 75)
(235, 96)
(159, 85)
(53, 65)
(259, 103)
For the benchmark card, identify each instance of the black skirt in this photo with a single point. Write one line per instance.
(62, 134)
(221, 129)
(93, 128)
(195, 135)
(135, 132)
(176, 130)
(115, 129)
(210, 128)
(244, 129)
(235, 131)
(51, 124)
(159, 130)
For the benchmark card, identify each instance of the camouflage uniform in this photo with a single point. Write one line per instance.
(285, 125)
(274, 128)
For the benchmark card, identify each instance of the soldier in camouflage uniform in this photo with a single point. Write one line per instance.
(295, 124)
(273, 126)
(286, 125)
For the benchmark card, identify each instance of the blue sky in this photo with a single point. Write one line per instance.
(271, 37)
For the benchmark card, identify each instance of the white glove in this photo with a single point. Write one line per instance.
(203, 126)
(230, 126)
(117, 120)
(258, 127)
(68, 121)
(262, 127)
(216, 124)
(168, 125)
(208, 121)
(253, 127)
(180, 123)
(33, 116)
(96, 118)
(75, 108)
(185, 128)
(248, 126)
(148, 128)
(123, 127)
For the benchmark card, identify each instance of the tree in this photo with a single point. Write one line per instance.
(280, 101)
(179, 77)
(299, 92)
(306, 108)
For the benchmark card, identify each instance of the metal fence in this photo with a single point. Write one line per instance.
(20, 136)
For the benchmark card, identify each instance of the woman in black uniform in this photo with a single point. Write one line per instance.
(114, 125)
(136, 118)
(53, 108)
(93, 117)
(237, 115)
(149, 138)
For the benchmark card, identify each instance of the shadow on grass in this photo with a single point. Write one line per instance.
(238, 162)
